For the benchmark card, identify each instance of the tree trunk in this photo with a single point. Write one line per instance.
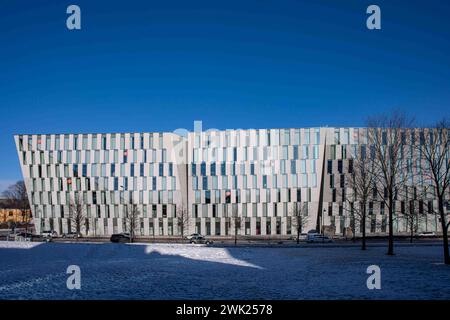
(298, 236)
(182, 230)
(353, 227)
(391, 226)
(363, 244)
(412, 231)
(444, 231)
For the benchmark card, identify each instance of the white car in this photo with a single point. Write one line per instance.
(427, 234)
(302, 237)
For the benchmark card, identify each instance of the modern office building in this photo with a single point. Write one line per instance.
(257, 175)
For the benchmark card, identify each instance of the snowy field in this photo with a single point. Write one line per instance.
(182, 271)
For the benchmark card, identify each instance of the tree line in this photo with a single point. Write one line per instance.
(397, 163)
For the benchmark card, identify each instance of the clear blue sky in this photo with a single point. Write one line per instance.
(160, 65)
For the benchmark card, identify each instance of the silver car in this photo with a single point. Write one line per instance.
(319, 238)
(193, 236)
(200, 240)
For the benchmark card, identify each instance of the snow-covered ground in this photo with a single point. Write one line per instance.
(182, 271)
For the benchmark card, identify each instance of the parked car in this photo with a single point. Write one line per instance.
(302, 237)
(49, 233)
(193, 235)
(23, 236)
(71, 235)
(200, 240)
(120, 237)
(318, 238)
(427, 234)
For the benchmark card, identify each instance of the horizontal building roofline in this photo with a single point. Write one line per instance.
(190, 131)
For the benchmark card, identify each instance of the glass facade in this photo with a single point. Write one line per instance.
(258, 175)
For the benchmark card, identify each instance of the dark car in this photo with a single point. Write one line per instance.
(193, 235)
(120, 237)
(24, 236)
(200, 240)
(49, 233)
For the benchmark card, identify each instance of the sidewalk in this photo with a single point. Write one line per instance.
(229, 243)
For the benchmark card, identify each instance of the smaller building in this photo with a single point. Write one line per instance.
(10, 214)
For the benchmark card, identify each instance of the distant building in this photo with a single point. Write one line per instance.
(258, 175)
(9, 214)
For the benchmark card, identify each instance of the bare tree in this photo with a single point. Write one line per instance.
(77, 214)
(360, 186)
(236, 226)
(132, 215)
(389, 145)
(299, 215)
(17, 198)
(434, 150)
(409, 209)
(183, 220)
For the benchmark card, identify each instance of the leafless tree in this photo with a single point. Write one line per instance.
(17, 198)
(77, 214)
(299, 215)
(389, 144)
(434, 151)
(409, 209)
(183, 220)
(236, 219)
(360, 189)
(132, 215)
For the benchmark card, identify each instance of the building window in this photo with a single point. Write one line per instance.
(203, 169)
(329, 166)
(222, 169)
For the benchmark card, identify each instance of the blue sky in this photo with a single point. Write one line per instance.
(160, 65)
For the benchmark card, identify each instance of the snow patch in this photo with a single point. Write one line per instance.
(19, 244)
(199, 252)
